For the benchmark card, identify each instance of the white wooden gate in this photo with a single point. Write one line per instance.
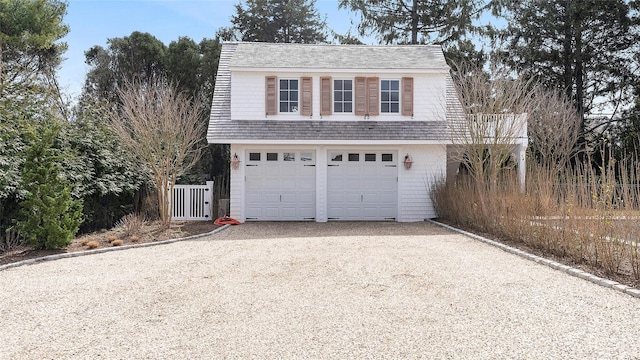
(192, 202)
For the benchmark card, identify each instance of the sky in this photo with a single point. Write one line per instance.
(93, 22)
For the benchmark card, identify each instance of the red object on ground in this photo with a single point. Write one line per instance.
(226, 220)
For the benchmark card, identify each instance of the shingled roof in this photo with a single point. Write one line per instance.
(326, 56)
(262, 55)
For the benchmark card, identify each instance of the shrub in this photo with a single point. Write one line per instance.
(135, 238)
(130, 224)
(92, 244)
(111, 238)
(49, 217)
(116, 242)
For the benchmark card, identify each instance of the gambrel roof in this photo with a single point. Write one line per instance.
(246, 56)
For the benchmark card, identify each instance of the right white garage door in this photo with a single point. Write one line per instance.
(362, 185)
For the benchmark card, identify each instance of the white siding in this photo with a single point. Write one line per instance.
(248, 96)
(429, 165)
(237, 185)
(414, 202)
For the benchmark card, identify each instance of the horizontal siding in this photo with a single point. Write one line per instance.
(414, 203)
(248, 97)
(429, 164)
(236, 185)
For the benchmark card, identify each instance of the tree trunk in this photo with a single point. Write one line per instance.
(414, 22)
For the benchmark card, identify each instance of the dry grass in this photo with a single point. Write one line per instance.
(590, 217)
(131, 224)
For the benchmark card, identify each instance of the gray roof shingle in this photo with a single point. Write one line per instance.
(327, 56)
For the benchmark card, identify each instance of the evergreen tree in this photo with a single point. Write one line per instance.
(449, 23)
(585, 48)
(276, 21)
(49, 216)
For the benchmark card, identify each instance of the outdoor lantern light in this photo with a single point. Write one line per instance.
(407, 162)
(235, 162)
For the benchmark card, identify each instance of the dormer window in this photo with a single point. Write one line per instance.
(389, 96)
(342, 96)
(288, 95)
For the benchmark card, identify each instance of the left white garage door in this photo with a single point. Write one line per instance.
(280, 185)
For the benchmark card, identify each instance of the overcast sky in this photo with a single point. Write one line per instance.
(92, 22)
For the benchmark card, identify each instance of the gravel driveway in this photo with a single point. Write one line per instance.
(308, 290)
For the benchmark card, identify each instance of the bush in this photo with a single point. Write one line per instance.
(130, 224)
(49, 217)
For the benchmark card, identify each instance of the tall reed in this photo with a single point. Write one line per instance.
(587, 214)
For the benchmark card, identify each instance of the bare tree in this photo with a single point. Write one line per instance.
(162, 128)
(554, 125)
(494, 121)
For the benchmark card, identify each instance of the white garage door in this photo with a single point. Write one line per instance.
(280, 185)
(362, 185)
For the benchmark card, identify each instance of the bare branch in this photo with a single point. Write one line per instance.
(162, 129)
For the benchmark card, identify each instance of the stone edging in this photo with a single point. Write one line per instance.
(104, 250)
(550, 263)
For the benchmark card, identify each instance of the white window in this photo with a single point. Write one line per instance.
(288, 95)
(389, 96)
(342, 96)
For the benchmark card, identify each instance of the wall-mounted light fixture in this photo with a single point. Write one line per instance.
(408, 161)
(235, 163)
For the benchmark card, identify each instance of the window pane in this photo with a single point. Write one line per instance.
(306, 156)
(294, 106)
(384, 108)
(347, 107)
(284, 95)
(336, 157)
(293, 96)
(337, 107)
(348, 85)
(354, 157)
(395, 107)
(395, 85)
(288, 156)
(384, 85)
(272, 156)
(284, 107)
(384, 96)
(369, 157)
(293, 85)
(387, 157)
(284, 84)
(254, 156)
(337, 95)
(395, 96)
(337, 84)
(347, 96)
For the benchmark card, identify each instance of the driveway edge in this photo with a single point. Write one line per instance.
(550, 263)
(104, 250)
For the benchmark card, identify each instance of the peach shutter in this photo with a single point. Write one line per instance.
(306, 98)
(271, 95)
(325, 96)
(360, 89)
(373, 96)
(407, 96)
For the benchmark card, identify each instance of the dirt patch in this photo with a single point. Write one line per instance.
(150, 232)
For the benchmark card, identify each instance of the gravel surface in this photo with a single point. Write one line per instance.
(308, 290)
